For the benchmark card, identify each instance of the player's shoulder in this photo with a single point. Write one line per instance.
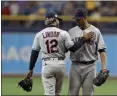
(62, 31)
(73, 28)
(40, 32)
(95, 29)
(37, 34)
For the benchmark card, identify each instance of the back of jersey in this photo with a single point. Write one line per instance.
(51, 41)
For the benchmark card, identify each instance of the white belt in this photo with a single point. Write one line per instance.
(53, 61)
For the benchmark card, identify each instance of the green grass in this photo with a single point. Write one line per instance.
(9, 87)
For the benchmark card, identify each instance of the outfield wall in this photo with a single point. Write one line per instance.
(16, 49)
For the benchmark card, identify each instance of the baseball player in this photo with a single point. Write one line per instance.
(83, 67)
(54, 43)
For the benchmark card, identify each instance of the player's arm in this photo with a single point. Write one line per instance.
(102, 51)
(81, 41)
(73, 46)
(103, 59)
(77, 45)
(33, 59)
(33, 56)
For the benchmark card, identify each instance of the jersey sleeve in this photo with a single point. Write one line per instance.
(68, 42)
(36, 45)
(101, 43)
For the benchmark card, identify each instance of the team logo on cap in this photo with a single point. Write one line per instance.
(56, 15)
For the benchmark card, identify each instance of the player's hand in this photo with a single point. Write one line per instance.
(101, 77)
(88, 36)
(29, 74)
(27, 82)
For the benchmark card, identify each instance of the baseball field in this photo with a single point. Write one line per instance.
(9, 87)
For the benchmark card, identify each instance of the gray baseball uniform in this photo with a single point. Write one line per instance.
(83, 67)
(53, 43)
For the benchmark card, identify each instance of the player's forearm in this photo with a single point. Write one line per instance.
(33, 59)
(77, 45)
(103, 60)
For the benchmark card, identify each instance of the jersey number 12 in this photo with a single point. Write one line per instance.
(51, 45)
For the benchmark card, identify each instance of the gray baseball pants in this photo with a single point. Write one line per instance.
(81, 76)
(53, 72)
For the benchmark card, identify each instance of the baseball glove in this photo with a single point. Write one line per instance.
(101, 78)
(26, 84)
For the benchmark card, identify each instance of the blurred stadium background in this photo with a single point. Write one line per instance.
(22, 19)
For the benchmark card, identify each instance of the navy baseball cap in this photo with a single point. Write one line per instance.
(53, 15)
(79, 13)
